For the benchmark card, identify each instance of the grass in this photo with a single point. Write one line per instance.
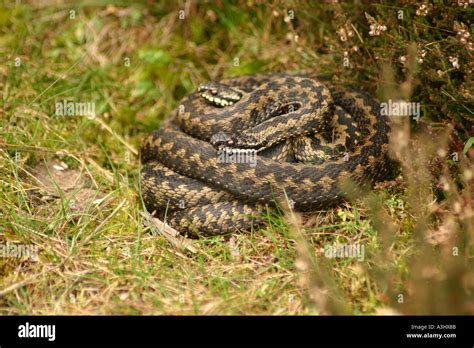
(69, 184)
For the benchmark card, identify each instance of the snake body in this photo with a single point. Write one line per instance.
(236, 147)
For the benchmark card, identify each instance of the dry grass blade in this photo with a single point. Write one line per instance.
(315, 276)
(171, 235)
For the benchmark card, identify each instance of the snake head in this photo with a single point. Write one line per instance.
(221, 139)
(247, 141)
(219, 94)
(242, 141)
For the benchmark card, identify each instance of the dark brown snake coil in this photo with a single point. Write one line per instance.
(237, 146)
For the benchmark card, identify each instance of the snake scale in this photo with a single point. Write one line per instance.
(235, 147)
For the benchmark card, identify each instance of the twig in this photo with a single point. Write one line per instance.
(170, 234)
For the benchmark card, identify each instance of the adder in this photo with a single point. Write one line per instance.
(237, 147)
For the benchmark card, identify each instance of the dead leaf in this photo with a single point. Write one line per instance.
(53, 179)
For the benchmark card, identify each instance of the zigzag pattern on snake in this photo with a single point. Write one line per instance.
(298, 139)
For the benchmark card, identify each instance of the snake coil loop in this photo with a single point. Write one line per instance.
(236, 146)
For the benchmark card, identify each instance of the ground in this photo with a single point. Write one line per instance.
(69, 192)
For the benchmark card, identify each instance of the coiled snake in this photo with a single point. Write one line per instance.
(237, 146)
